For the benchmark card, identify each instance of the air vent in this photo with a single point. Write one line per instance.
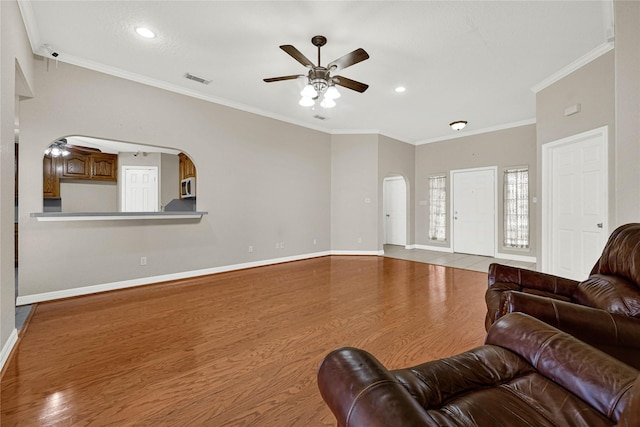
(319, 117)
(197, 79)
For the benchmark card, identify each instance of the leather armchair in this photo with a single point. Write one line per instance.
(613, 284)
(527, 373)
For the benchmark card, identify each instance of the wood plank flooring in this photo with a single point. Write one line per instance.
(233, 349)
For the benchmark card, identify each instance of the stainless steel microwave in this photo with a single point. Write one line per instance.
(188, 188)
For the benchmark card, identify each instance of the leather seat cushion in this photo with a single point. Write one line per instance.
(611, 293)
(492, 386)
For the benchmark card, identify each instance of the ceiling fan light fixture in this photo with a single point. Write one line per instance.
(332, 93)
(327, 103)
(458, 125)
(309, 92)
(307, 101)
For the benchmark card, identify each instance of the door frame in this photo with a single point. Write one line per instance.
(547, 181)
(493, 169)
(384, 207)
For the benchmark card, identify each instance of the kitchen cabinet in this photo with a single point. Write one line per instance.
(187, 168)
(103, 167)
(75, 165)
(51, 176)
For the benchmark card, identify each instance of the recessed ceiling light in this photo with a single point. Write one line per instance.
(401, 89)
(145, 32)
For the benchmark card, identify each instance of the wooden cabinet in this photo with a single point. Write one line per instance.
(103, 167)
(77, 165)
(51, 176)
(187, 168)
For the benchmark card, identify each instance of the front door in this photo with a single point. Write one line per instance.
(474, 211)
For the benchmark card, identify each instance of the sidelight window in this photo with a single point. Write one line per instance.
(437, 208)
(516, 208)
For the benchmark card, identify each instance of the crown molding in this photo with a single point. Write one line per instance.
(479, 131)
(575, 65)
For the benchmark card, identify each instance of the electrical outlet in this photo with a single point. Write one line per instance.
(359, 239)
(143, 260)
(277, 245)
(250, 249)
(281, 245)
(314, 242)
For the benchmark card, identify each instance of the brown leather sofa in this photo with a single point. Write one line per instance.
(527, 374)
(603, 310)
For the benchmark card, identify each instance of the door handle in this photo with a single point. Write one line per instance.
(599, 225)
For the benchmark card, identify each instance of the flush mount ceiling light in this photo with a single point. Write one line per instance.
(401, 89)
(320, 82)
(458, 125)
(145, 32)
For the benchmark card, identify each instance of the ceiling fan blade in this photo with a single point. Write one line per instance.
(348, 60)
(350, 84)
(277, 79)
(297, 55)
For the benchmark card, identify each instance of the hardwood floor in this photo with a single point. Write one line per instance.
(233, 349)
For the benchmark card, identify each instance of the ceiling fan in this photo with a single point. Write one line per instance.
(60, 148)
(319, 79)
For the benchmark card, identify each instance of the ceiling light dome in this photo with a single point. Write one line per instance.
(332, 93)
(306, 101)
(458, 125)
(309, 92)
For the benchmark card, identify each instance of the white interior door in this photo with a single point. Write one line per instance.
(395, 211)
(140, 190)
(474, 211)
(576, 184)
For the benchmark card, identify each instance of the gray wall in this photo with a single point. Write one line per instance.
(627, 99)
(354, 193)
(15, 52)
(169, 178)
(88, 196)
(262, 182)
(504, 148)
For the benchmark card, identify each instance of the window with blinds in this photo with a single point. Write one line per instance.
(516, 208)
(437, 208)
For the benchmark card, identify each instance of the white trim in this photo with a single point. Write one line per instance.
(434, 248)
(575, 65)
(8, 346)
(496, 128)
(546, 217)
(28, 17)
(512, 257)
(79, 216)
(348, 252)
(86, 290)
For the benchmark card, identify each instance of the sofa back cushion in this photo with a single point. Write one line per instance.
(621, 254)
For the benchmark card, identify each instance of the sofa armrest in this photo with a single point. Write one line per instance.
(360, 391)
(616, 335)
(530, 279)
(504, 278)
(597, 378)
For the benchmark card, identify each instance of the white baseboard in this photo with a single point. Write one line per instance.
(512, 257)
(7, 347)
(434, 248)
(86, 290)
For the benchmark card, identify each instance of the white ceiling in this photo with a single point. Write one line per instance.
(459, 60)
